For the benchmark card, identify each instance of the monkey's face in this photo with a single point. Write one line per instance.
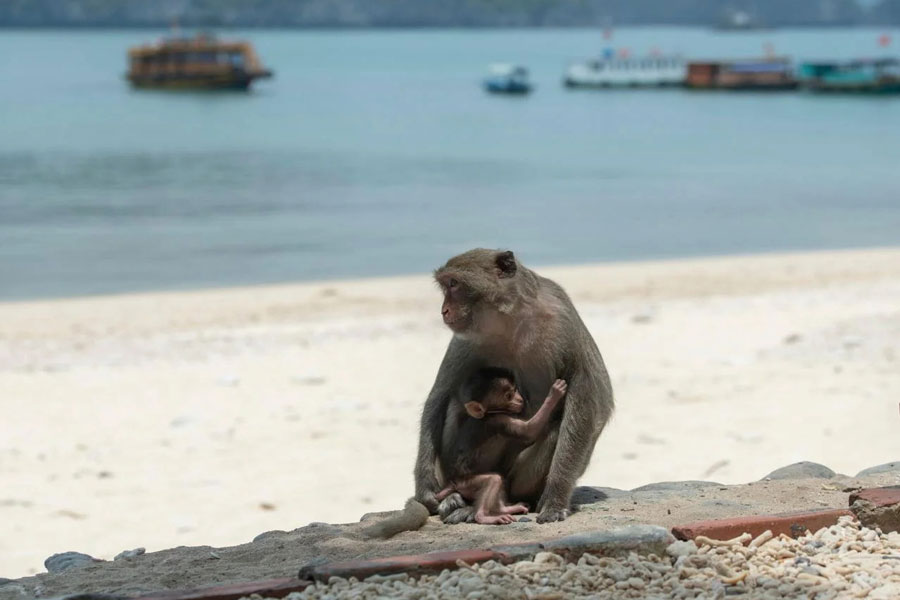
(510, 398)
(473, 285)
(503, 398)
(456, 309)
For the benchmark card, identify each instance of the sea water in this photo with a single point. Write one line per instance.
(377, 152)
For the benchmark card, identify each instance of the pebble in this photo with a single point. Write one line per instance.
(842, 561)
(67, 560)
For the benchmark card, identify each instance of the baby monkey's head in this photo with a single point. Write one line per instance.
(492, 391)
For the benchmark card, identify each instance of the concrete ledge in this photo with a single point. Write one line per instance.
(271, 588)
(414, 564)
(794, 525)
(647, 539)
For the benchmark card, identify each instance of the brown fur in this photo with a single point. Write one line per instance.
(505, 315)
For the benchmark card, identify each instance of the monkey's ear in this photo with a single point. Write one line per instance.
(506, 263)
(475, 409)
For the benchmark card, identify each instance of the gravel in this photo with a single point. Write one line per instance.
(842, 561)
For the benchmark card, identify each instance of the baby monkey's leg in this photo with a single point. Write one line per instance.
(488, 500)
(444, 493)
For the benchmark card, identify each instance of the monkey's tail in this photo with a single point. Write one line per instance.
(411, 518)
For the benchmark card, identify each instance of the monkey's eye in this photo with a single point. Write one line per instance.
(452, 283)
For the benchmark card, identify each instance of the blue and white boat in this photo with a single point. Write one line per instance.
(507, 79)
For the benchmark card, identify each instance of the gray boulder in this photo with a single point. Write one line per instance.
(676, 486)
(890, 467)
(68, 560)
(802, 470)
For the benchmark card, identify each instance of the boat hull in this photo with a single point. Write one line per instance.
(512, 88)
(176, 81)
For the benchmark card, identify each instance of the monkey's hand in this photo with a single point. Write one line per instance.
(429, 499)
(557, 391)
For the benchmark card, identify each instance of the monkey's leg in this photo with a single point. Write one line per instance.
(519, 508)
(456, 363)
(444, 493)
(488, 508)
(585, 414)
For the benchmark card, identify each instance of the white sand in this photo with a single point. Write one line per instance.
(208, 417)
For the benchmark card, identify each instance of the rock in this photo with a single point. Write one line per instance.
(4, 580)
(128, 554)
(878, 507)
(890, 467)
(679, 548)
(68, 560)
(589, 495)
(524, 520)
(269, 534)
(802, 470)
(647, 539)
(676, 486)
(891, 591)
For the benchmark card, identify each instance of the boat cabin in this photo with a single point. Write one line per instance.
(198, 62)
(648, 71)
(761, 74)
(867, 76)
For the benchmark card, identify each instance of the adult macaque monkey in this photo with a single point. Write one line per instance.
(505, 315)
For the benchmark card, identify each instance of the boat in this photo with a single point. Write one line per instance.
(774, 73)
(873, 76)
(199, 62)
(505, 78)
(609, 72)
(739, 20)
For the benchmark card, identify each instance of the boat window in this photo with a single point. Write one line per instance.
(237, 59)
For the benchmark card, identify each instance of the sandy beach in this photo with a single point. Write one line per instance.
(207, 417)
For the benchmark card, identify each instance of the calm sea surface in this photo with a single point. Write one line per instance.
(376, 153)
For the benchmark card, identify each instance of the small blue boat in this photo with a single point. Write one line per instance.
(507, 79)
(872, 76)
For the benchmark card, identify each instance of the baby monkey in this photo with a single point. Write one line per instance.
(495, 402)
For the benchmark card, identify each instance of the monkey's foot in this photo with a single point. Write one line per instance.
(449, 505)
(550, 515)
(515, 509)
(493, 519)
(465, 514)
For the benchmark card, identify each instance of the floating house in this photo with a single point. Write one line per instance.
(861, 76)
(504, 78)
(200, 62)
(759, 74)
(650, 71)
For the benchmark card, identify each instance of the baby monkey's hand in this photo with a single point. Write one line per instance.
(557, 390)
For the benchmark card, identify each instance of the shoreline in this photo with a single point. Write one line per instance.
(288, 285)
(205, 417)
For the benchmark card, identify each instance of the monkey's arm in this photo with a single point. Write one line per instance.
(527, 431)
(434, 412)
(589, 405)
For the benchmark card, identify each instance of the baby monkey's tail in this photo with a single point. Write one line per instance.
(411, 518)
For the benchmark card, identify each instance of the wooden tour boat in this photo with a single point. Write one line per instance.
(199, 62)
